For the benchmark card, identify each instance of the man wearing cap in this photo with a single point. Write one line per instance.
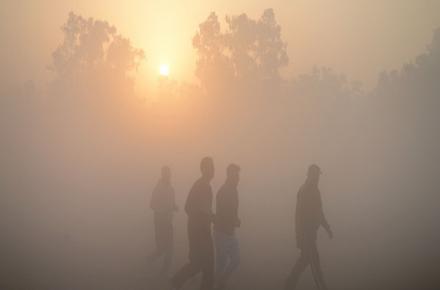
(309, 217)
(226, 221)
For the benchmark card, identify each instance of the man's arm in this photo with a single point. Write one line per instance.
(236, 206)
(173, 196)
(189, 203)
(153, 199)
(299, 231)
(324, 222)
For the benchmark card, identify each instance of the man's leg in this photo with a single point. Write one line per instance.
(221, 254)
(208, 276)
(315, 264)
(233, 255)
(194, 265)
(168, 258)
(207, 259)
(168, 246)
(184, 274)
(159, 230)
(297, 270)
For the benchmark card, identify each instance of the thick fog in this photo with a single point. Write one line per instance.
(81, 154)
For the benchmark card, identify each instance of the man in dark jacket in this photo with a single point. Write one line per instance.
(226, 221)
(163, 205)
(198, 207)
(309, 217)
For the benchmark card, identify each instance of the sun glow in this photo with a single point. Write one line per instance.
(164, 70)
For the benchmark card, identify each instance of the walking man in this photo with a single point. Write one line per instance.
(226, 220)
(163, 205)
(198, 207)
(309, 217)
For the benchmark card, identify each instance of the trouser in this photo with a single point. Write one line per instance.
(163, 227)
(201, 257)
(227, 255)
(309, 256)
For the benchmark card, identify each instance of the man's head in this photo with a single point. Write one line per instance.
(233, 174)
(313, 173)
(166, 174)
(207, 168)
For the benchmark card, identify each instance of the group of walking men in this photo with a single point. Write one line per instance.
(218, 258)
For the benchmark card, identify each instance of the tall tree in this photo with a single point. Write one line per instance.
(94, 55)
(249, 51)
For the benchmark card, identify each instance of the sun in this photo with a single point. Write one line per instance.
(164, 70)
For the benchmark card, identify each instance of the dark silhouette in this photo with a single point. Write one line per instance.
(201, 249)
(309, 217)
(93, 46)
(226, 220)
(246, 51)
(164, 205)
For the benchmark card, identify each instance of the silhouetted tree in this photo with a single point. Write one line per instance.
(213, 66)
(257, 50)
(93, 84)
(249, 51)
(407, 102)
(405, 124)
(94, 56)
(416, 85)
(323, 106)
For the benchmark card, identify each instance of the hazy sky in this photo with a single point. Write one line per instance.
(357, 37)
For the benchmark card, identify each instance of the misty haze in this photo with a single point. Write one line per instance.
(220, 145)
